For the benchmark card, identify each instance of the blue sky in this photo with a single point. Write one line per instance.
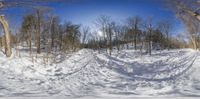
(85, 12)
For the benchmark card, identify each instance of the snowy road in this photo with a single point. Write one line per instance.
(88, 73)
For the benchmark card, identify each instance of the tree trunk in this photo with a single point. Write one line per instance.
(196, 15)
(135, 37)
(110, 41)
(52, 41)
(168, 43)
(150, 42)
(194, 43)
(5, 24)
(60, 45)
(38, 32)
(30, 43)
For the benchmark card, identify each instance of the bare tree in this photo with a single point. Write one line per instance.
(103, 23)
(85, 32)
(110, 36)
(165, 27)
(118, 34)
(188, 11)
(187, 7)
(14, 3)
(28, 28)
(38, 29)
(54, 30)
(133, 24)
(149, 28)
(72, 36)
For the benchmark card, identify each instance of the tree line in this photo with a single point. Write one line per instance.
(42, 31)
(141, 34)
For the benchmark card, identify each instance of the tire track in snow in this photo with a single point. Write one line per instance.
(173, 76)
(179, 68)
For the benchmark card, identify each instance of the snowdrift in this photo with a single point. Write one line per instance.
(89, 73)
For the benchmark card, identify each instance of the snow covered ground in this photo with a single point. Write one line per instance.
(87, 73)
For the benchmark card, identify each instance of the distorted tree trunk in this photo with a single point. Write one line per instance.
(188, 11)
(194, 14)
(5, 24)
(190, 7)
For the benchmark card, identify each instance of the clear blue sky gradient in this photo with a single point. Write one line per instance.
(85, 12)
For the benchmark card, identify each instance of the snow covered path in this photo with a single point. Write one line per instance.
(88, 73)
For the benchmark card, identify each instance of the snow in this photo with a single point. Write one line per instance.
(87, 73)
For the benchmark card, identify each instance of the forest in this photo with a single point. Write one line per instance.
(138, 56)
